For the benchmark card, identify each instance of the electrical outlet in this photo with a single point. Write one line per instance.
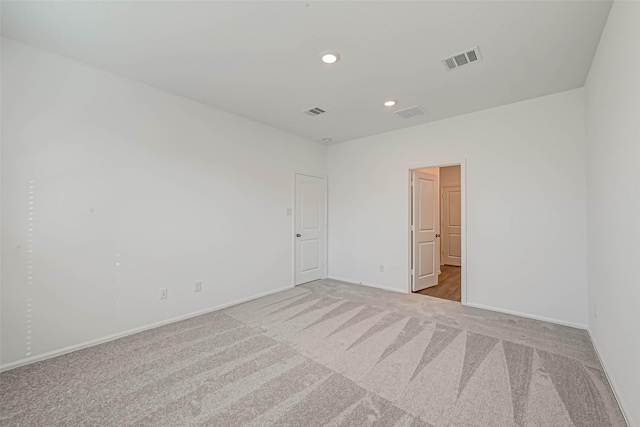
(163, 293)
(198, 286)
(381, 268)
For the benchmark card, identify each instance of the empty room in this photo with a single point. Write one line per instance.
(320, 213)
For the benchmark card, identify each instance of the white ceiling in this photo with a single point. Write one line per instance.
(261, 59)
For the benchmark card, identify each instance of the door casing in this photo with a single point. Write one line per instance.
(463, 214)
(293, 224)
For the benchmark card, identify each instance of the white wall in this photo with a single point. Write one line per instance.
(613, 189)
(525, 199)
(134, 189)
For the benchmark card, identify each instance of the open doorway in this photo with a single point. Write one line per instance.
(437, 244)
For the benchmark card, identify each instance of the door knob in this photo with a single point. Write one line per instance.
(437, 235)
(298, 235)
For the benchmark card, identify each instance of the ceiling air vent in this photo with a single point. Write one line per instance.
(463, 58)
(407, 113)
(315, 111)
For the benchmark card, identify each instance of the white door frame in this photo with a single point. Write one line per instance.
(463, 214)
(293, 224)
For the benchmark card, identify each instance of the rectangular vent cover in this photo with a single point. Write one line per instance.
(315, 111)
(467, 57)
(407, 113)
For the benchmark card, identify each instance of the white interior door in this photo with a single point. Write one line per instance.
(310, 228)
(451, 221)
(425, 223)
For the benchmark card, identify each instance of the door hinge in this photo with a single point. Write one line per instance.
(413, 183)
(412, 272)
(413, 227)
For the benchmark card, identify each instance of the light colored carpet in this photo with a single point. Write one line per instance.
(326, 353)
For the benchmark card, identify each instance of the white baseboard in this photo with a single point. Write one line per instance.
(60, 352)
(614, 388)
(528, 316)
(484, 307)
(371, 285)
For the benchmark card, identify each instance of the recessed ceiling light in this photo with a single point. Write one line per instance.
(330, 57)
(327, 139)
(389, 103)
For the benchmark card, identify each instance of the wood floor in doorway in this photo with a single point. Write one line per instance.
(449, 284)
